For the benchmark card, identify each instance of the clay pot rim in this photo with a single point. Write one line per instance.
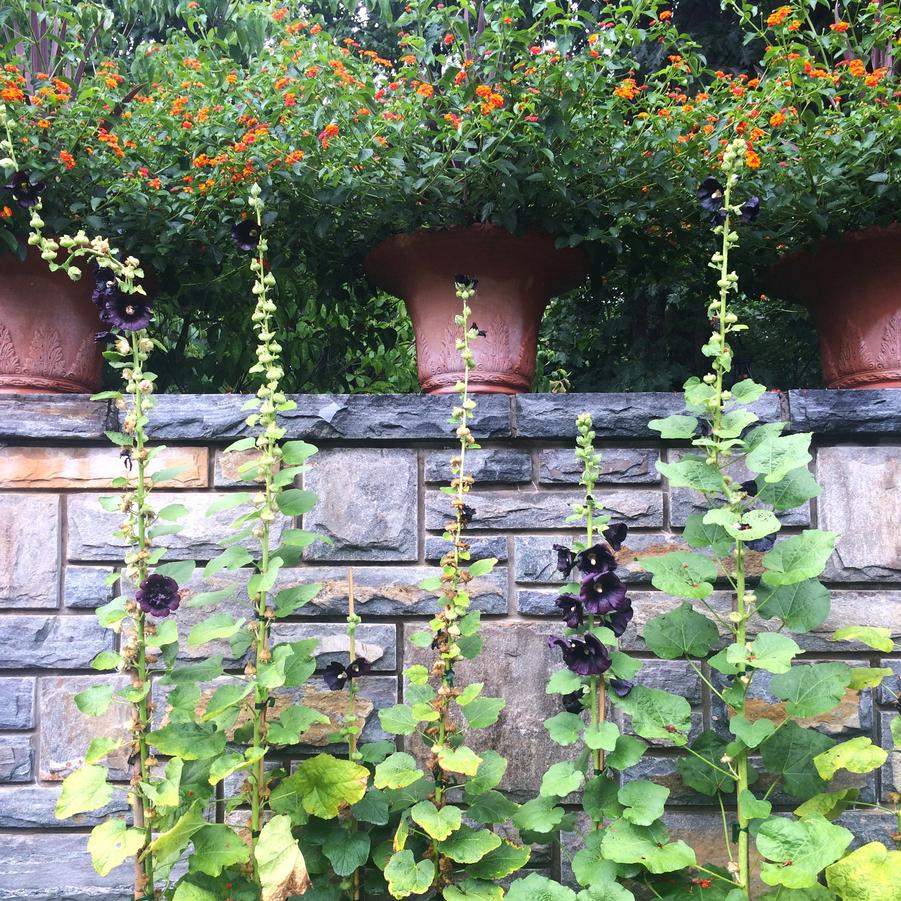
(567, 267)
(785, 272)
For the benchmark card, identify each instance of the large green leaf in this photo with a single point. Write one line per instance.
(812, 689)
(588, 864)
(681, 573)
(437, 823)
(699, 534)
(398, 720)
(280, 864)
(564, 728)
(657, 714)
(798, 850)
(346, 851)
(217, 847)
(397, 771)
(707, 777)
(750, 526)
(461, 760)
(751, 734)
(507, 858)
(680, 633)
(489, 774)
(295, 501)
(876, 637)
(769, 651)
(802, 606)
(538, 815)
(790, 753)
(326, 784)
(407, 877)
(168, 846)
(292, 723)
(624, 842)
(858, 755)
(561, 779)
(112, 843)
(777, 455)
(473, 890)
(483, 712)
(190, 741)
(219, 626)
(468, 845)
(84, 790)
(871, 873)
(795, 559)
(795, 488)
(95, 700)
(539, 888)
(642, 801)
(693, 472)
(677, 426)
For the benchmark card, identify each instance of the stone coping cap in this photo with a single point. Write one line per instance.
(396, 418)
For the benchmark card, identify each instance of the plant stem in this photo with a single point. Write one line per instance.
(353, 733)
(742, 786)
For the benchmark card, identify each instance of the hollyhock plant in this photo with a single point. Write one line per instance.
(585, 656)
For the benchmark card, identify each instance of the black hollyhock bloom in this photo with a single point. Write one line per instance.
(595, 560)
(621, 687)
(603, 593)
(749, 487)
(129, 312)
(761, 544)
(572, 703)
(615, 535)
(466, 515)
(105, 287)
(158, 595)
(750, 210)
(573, 614)
(481, 333)
(566, 560)
(584, 656)
(25, 191)
(337, 676)
(710, 194)
(618, 620)
(246, 235)
(466, 281)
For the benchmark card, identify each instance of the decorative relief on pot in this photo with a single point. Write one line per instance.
(854, 362)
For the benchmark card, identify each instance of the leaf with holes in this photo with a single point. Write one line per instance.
(681, 633)
(681, 573)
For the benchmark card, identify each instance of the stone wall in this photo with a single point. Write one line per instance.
(382, 460)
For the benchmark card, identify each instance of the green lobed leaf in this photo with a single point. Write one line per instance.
(769, 651)
(681, 573)
(796, 488)
(296, 501)
(704, 772)
(747, 391)
(217, 847)
(858, 755)
(564, 728)
(292, 723)
(657, 714)
(750, 526)
(83, 790)
(346, 851)
(777, 455)
(538, 815)
(397, 771)
(602, 736)
(216, 627)
(870, 873)
(751, 734)
(536, 887)
(812, 689)
(828, 804)
(675, 427)
(797, 850)
(473, 890)
(876, 637)
(681, 633)
(461, 760)
(795, 559)
(693, 472)
(483, 712)
(437, 823)
(95, 701)
(398, 720)
(790, 752)
(802, 606)
(467, 845)
(507, 858)
(407, 877)
(190, 741)
(628, 751)
(642, 801)
(491, 807)
(624, 842)
(101, 747)
(326, 784)
(561, 779)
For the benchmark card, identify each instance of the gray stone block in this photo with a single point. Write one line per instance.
(66, 731)
(861, 487)
(17, 703)
(498, 464)
(623, 415)
(57, 868)
(29, 550)
(54, 417)
(367, 504)
(870, 826)
(890, 690)
(378, 590)
(85, 587)
(480, 547)
(358, 417)
(619, 466)
(891, 770)
(50, 642)
(825, 412)
(91, 528)
(16, 758)
(540, 510)
(32, 807)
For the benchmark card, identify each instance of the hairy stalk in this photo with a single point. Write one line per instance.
(354, 727)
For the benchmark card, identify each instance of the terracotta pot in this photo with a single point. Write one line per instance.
(47, 328)
(853, 288)
(517, 277)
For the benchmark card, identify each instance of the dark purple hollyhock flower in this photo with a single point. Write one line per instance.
(566, 560)
(749, 487)
(105, 287)
(466, 281)
(246, 234)
(603, 593)
(761, 544)
(618, 620)
(466, 515)
(573, 615)
(710, 194)
(158, 595)
(615, 535)
(338, 676)
(595, 560)
(129, 312)
(480, 332)
(25, 191)
(585, 656)
(750, 210)
(572, 703)
(621, 687)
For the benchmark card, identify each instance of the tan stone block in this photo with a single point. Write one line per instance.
(226, 468)
(92, 467)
